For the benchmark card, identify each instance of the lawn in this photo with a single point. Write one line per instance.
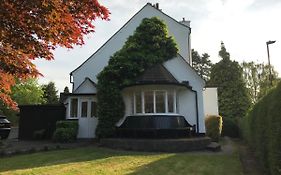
(93, 160)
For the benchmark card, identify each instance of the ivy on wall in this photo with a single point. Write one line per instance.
(149, 45)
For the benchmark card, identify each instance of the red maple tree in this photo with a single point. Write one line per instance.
(31, 29)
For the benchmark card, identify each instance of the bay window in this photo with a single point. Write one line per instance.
(154, 102)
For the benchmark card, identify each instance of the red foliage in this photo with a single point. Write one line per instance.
(31, 29)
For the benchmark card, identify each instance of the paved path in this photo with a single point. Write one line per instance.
(249, 162)
(14, 134)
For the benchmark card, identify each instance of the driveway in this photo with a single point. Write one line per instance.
(14, 134)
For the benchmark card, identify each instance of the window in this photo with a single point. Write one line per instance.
(73, 108)
(171, 102)
(84, 109)
(160, 101)
(138, 102)
(93, 109)
(154, 101)
(148, 101)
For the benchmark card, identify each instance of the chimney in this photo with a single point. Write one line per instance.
(157, 5)
(184, 22)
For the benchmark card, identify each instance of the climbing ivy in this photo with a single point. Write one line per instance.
(149, 45)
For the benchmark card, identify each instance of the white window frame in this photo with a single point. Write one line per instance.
(70, 105)
(154, 102)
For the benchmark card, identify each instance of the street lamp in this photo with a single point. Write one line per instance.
(267, 43)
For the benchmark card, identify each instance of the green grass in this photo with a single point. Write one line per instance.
(92, 160)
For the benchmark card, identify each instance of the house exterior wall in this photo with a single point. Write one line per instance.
(182, 71)
(100, 59)
(86, 87)
(187, 105)
(186, 101)
(211, 101)
(86, 125)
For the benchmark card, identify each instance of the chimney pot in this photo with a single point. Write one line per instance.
(157, 5)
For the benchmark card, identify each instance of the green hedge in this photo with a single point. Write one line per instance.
(66, 131)
(213, 125)
(230, 127)
(262, 129)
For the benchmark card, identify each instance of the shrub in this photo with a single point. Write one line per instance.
(262, 130)
(230, 127)
(66, 131)
(67, 124)
(213, 127)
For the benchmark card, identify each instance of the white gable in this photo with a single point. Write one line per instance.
(182, 71)
(87, 87)
(95, 64)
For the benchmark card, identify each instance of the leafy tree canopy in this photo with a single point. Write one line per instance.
(31, 29)
(201, 64)
(233, 96)
(257, 78)
(50, 93)
(149, 45)
(23, 93)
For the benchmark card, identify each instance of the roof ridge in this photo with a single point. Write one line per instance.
(148, 4)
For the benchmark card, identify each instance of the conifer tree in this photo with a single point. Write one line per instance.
(201, 64)
(233, 96)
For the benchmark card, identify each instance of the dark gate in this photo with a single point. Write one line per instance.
(39, 117)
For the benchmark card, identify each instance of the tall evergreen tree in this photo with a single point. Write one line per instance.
(233, 95)
(66, 90)
(50, 93)
(201, 64)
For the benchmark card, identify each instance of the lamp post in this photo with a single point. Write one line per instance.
(270, 75)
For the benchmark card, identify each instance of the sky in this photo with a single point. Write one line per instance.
(243, 25)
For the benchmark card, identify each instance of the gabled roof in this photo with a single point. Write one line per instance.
(156, 74)
(87, 79)
(148, 4)
(189, 65)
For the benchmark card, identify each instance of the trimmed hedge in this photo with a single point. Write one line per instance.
(66, 131)
(230, 127)
(213, 127)
(262, 130)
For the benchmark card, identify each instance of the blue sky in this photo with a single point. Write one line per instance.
(243, 25)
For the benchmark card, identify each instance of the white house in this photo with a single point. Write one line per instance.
(170, 89)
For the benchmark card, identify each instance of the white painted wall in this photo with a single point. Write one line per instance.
(182, 71)
(187, 105)
(99, 60)
(86, 87)
(86, 125)
(211, 101)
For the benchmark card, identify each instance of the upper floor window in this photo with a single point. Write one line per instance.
(154, 101)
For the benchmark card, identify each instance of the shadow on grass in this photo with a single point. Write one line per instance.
(138, 162)
(193, 164)
(50, 158)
